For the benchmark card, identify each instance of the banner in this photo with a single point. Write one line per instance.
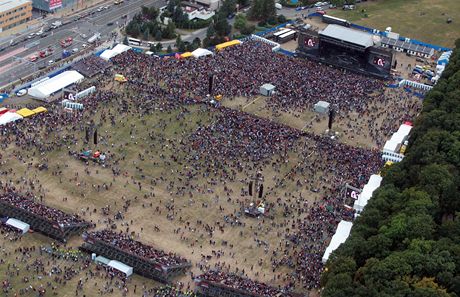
(55, 4)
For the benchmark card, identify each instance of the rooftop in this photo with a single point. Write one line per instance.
(407, 45)
(11, 4)
(348, 35)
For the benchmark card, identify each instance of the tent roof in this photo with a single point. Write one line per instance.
(268, 87)
(186, 55)
(121, 48)
(323, 104)
(108, 54)
(9, 116)
(368, 190)
(128, 270)
(227, 44)
(24, 227)
(200, 52)
(341, 234)
(39, 109)
(54, 84)
(25, 112)
(348, 35)
(103, 260)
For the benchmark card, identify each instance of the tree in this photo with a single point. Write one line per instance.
(240, 21)
(169, 49)
(125, 40)
(159, 47)
(228, 7)
(158, 35)
(169, 31)
(248, 30)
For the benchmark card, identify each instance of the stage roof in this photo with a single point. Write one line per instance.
(349, 35)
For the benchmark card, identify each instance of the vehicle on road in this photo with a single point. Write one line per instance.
(56, 24)
(110, 24)
(21, 93)
(278, 6)
(134, 41)
(33, 58)
(118, 2)
(43, 35)
(84, 45)
(47, 52)
(74, 50)
(66, 42)
(94, 37)
(50, 62)
(65, 54)
(31, 35)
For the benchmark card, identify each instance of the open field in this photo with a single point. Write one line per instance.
(424, 20)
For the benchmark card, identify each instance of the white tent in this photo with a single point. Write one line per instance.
(8, 117)
(121, 48)
(200, 52)
(342, 233)
(108, 54)
(368, 190)
(127, 270)
(20, 225)
(55, 84)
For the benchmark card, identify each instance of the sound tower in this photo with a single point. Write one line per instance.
(211, 81)
(250, 188)
(261, 191)
(95, 137)
(331, 118)
(87, 135)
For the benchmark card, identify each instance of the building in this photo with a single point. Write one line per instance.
(51, 5)
(407, 47)
(14, 13)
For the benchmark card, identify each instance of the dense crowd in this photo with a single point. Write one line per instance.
(91, 65)
(243, 69)
(238, 283)
(236, 143)
(125, 243)
(53, 215)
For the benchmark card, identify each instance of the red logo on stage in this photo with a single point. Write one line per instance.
(55, 4)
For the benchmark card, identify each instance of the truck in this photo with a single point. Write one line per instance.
(56, 24)
(66, 42)
(94, 38)
(45, 53)
(65, 54)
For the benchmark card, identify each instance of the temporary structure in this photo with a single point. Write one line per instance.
(227, 44)
(342, 233)
(20, 225)
(47, 88)
(186, 55)
(267, 89)
(8, 117)
(322, 107)
(200, 52)
(25, 112)
(39, 109)
(127, 270)
(366, 194)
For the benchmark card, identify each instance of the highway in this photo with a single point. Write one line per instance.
(14, 60)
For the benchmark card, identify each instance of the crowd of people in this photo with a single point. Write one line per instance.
(50, 214)
(236, 143)
(238, 283)
(127, 244)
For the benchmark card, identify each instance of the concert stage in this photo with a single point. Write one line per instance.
(346, 48)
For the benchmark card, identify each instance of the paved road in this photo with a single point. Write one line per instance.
(18, 65)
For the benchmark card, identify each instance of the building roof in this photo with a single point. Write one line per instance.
(349, 35)
(11, 4)
(407, 45)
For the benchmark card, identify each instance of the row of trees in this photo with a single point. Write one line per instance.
(407, 240)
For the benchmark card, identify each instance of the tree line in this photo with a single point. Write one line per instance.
(407, 240)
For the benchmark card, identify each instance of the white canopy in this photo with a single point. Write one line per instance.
(54, 84)
(108, 54)
(127, 270)
(200, 52)
(20, 225)
(342, 233)
(121, 48)
(368, 190)
(8, 117)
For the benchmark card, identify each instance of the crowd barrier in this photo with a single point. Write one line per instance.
(414, 84)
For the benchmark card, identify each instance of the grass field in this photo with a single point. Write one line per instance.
(424, 20)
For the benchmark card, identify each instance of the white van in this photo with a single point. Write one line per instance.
(278, 6)
(75, 50)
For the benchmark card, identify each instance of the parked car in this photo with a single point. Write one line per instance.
(21, 93)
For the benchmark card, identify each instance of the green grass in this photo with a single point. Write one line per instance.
(424, 20)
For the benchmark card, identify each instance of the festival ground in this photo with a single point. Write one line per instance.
(149, 156)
